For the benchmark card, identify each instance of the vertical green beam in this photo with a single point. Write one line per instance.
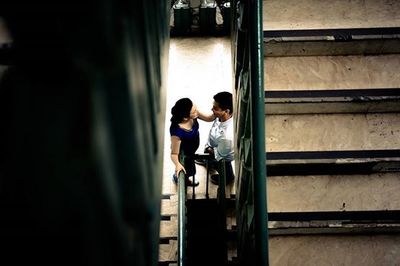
(257, 95)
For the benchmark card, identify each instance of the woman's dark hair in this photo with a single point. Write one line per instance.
(181, 110)
(224, 100)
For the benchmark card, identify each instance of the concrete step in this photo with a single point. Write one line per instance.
(332, 42)
(332, 204)
(332, 84)
(332, 101)
(169, 206)
(333, 193)
(332, 132)
(167, 263)
(366, 250)
(311, 14)
(168, 229)
(332, 72)
(331, 247)
(333, 225)
(331, 144)
(336, 28)
(168, 253)
(332, 162)
(323, 223)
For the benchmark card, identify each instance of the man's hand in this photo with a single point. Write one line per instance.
(209, 150)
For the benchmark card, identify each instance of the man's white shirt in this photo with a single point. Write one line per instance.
(221, 139)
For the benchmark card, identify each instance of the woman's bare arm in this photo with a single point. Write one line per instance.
(206, 117)
(175, 146)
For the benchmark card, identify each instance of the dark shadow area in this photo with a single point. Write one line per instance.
(81, 105)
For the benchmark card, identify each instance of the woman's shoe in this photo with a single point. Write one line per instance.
(189, 183)
(175, 178)
(202, 162)
(215, 179)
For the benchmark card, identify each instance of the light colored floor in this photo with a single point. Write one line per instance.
(198, 69)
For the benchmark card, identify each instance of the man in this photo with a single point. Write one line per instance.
(220, 138)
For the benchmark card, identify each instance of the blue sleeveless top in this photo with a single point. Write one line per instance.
(190, 139)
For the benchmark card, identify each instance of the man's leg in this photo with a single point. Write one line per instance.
(229, 172)
(203, 162)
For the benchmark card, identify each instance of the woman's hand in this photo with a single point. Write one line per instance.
(179, 168)
(205, 117)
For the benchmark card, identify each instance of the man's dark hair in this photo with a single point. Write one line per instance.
(224, 100)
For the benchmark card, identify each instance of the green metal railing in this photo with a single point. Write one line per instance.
(221, 197)
(251, 205)
(181, 215)
(181, 219)
(258, 111)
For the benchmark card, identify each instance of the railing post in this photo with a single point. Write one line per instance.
(258, 128)
(222, 201)
(181, 216)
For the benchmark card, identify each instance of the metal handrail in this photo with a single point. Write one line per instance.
(258, 130)
(222, 200)
(249, 84)
(181, 216)
(182, 208)
(207, 157)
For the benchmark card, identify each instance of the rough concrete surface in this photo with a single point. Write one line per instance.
(373, 250)
(331, 132)
(332, 72)
(334, 192)
(319, 14)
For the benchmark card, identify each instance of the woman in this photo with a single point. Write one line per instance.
(185, 138)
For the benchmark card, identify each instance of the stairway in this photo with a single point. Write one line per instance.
(206, 243)
(332, 94)
(332, 134)
(168, 245)
(206, 233)
(209, 56)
